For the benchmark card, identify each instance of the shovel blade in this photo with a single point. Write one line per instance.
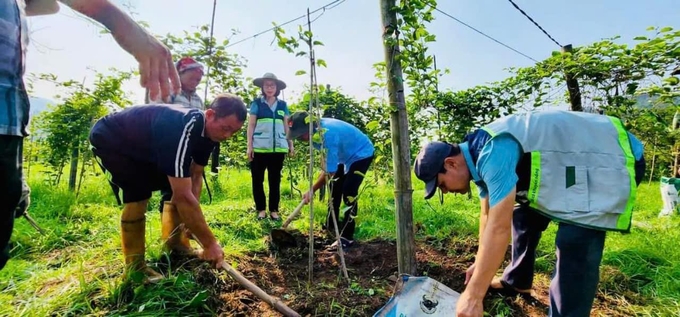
(282, 239)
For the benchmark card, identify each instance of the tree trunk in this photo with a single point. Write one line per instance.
(401, 152)
(83, 163)
(572, 86)
(73, 175)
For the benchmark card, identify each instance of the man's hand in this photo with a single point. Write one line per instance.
(250, 153)
(469, 306)
(291, 149)
(156, 68)
(213, 254)
(469, 272)
(308, 196)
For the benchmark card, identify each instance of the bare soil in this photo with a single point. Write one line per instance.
(372, 269)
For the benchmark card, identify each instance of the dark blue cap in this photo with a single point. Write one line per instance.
(429, 163)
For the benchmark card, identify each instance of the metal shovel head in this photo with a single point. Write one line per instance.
(282, 239)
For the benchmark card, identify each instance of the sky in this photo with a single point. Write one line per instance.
(71, 47)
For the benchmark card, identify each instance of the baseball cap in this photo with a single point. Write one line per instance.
(187, 63)
(298, 125)
(429, 164)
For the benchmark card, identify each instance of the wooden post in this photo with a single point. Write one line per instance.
(651, 173)
(572, 86)
(400, 142)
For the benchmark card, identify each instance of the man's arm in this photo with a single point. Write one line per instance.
(190, 210)
(155, 60)
(196, 179)
(321, 180)
(493, 243)
(483, 216)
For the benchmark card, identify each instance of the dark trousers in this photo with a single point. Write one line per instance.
(273, 164)
(577, 271)
(579, 252)
(11, 148)
(345, 188)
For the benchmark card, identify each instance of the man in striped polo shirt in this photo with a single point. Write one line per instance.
(161, 146)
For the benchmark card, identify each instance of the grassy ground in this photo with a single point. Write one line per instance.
(75, 268)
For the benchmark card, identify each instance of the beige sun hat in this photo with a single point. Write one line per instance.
(279, 83)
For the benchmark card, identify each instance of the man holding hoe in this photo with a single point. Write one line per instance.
(578, 169)
(161, 146)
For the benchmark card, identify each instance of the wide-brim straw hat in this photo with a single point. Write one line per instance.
(279, 83)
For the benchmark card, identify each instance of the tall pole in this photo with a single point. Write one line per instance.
(572, 86)
(310, 115)
(401, 156)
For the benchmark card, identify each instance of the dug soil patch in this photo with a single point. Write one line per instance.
(372, 269)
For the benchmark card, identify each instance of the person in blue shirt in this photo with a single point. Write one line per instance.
(267, 143)
(349, 154)
(162, 146)
(528, 174)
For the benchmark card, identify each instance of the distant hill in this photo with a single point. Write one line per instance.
(644, 101)
(39, 104)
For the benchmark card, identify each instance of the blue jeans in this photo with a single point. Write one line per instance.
(577, 271)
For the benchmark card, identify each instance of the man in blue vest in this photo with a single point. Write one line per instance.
(153, 147)
(551, 166)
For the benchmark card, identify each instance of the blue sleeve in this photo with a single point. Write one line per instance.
(482, 191)
(496, 165)
(636, 146)
(331, 143)
(253, 108)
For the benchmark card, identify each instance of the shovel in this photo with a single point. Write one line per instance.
(281, 237)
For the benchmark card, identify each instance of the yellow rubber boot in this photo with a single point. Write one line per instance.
(132, 232)
(173, 232)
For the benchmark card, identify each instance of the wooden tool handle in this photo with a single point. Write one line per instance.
(292, 216)
(277, 304)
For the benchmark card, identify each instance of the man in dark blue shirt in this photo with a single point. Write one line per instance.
(154, 147)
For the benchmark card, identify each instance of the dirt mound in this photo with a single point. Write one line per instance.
(372, 269)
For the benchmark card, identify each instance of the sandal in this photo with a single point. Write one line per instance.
(277, 218)
(346, 244)
(506, 289)
(260, 216)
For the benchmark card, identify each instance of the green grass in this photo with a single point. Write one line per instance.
(75, 268)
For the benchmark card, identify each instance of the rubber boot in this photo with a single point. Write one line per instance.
(173, 233)
(133, 227)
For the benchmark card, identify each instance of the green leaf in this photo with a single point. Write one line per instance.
(300, 72)
(199, 298)
(666, 29)
(372, 125)
(673, 81)
(640, 38)
(321, 63)
(317, 43)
